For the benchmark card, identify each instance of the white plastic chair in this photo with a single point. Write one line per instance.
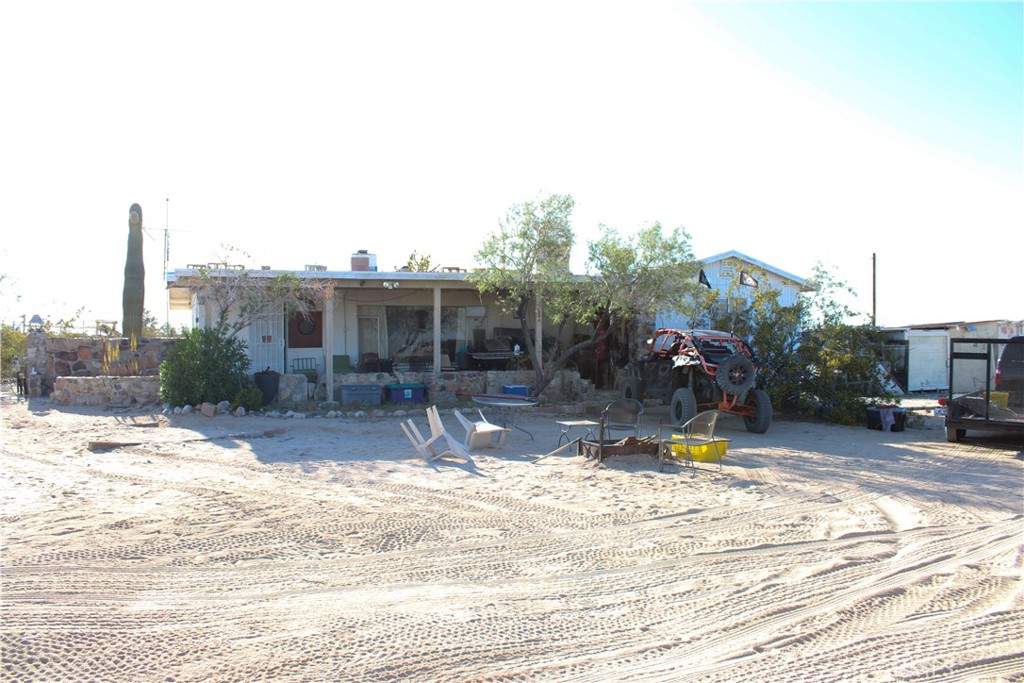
(437, 431)
(481, 433)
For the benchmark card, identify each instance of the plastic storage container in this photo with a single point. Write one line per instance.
(517, 389)
(707, 452)
(359, 393)
(406, 393)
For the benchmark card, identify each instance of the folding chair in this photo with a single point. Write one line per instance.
(698, 431)
(482, 434)
(623, 415)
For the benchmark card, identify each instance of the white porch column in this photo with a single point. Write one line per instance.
(437, 330)
(328, 342)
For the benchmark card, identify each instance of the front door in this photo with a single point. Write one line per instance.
(266, 343)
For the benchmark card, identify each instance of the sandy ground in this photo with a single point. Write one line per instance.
(259, 549)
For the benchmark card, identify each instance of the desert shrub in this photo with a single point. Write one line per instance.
(815, 360)
(206, 365)
(12, 343)
(249, 397)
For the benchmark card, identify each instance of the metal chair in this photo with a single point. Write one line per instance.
(698, 431)
(622, 414)
(307, 367)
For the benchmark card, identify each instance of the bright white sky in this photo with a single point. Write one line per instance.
(302, 132)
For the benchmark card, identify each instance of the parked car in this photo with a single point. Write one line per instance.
(696, 370)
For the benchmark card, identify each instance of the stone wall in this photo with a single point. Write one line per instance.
(47, 358)
(106, 391)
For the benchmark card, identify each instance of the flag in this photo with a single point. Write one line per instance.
(703, 279)
(747, 279)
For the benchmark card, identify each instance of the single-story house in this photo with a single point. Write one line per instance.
(366, 320)
(404, 322)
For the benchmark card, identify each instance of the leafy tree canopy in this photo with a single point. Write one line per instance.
(630, 278)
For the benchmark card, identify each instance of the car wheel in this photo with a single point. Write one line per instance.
(631, 389)
(683, 407)
(735, 374)
(762, 405)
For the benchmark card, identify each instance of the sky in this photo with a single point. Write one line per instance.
(832, 134)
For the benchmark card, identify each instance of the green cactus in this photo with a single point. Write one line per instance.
(134, 295)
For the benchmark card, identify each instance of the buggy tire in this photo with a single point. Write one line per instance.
(735, 374)
(631, 389)
(762, 405)
(683, 407)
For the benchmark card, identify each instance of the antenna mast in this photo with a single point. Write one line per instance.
(167, 256)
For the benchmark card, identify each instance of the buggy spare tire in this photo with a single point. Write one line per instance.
(762, 407)
(735, 374)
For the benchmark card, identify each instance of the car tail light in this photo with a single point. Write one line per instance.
(999, 378)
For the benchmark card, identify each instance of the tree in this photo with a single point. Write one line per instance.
(238, 296)
(527, 259)
(814, 359)
(418, 264)
(12, 343)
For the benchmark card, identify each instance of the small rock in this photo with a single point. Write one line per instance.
(187, 409)
(240, 411)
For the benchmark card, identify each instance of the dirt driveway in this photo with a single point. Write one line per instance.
(258, 549)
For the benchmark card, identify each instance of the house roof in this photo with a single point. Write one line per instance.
(799, 281)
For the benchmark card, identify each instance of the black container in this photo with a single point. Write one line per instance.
(873, 419)
(268, 382)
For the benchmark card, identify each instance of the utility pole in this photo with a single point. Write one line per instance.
(167, 258)
(874, 276)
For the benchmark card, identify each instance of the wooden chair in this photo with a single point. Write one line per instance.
(698, 431)
(482, 434)
(622, 414)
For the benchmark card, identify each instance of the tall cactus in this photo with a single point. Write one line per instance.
(134, 277)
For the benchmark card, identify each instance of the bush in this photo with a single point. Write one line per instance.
(206, 365)
(12, 343)
(249, 397)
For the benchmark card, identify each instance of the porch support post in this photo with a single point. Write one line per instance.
(437, 330)
(328, 342)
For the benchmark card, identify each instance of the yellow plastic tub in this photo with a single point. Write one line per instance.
(709, 452)
(1000, 398)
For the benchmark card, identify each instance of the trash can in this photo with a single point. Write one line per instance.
(267, 381)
